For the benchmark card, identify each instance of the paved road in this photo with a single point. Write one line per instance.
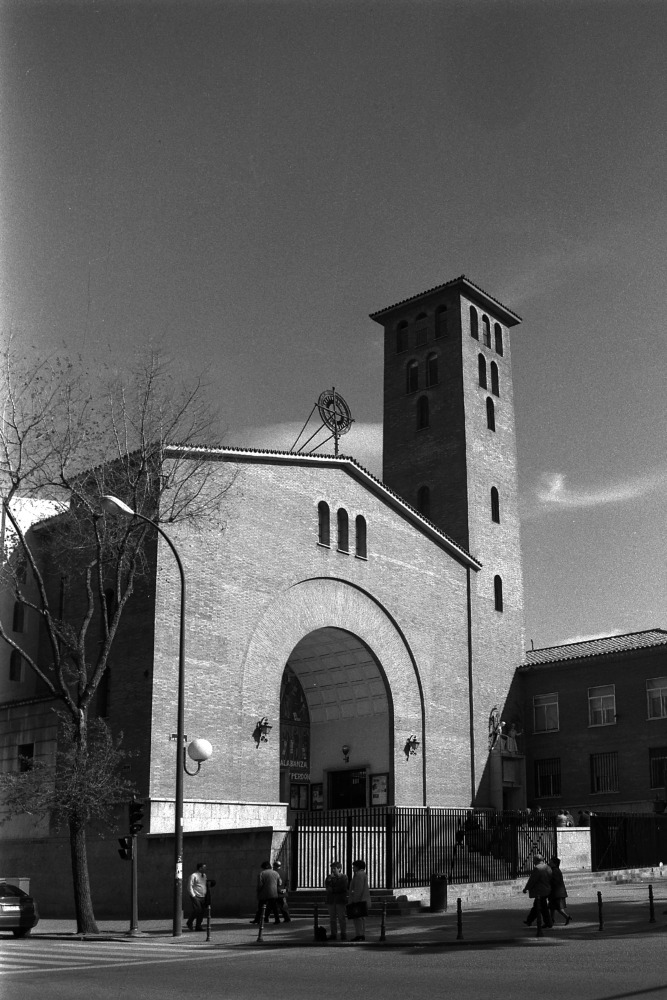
(421, 958)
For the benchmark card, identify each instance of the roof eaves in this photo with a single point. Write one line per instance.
(511, 318)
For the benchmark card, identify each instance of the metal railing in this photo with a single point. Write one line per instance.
(404, 846)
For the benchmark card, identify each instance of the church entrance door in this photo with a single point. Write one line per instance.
(347, 789)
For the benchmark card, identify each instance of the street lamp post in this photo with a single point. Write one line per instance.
(110, 503)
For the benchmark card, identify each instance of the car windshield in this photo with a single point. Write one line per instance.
(11, 890)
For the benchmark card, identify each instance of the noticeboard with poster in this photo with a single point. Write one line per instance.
(379, 785)
(298, 797)
(317, 796)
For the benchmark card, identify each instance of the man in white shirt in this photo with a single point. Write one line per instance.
(197, 888)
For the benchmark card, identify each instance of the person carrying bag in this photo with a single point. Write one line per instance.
(359, 900)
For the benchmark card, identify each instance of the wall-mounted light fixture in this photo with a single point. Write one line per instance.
(261, 731)
(410, 748)
(345, 750)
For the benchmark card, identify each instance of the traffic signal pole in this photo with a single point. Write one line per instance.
(134, 920)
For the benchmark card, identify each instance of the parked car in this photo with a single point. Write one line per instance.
(18, 910)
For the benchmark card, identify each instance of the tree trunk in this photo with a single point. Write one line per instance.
(83, 903)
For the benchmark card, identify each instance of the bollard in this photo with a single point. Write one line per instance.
(262, 910)
(208, 922)
(316, 921)
(459, 920)
(601, 927)
(383, 934)
(651, 908)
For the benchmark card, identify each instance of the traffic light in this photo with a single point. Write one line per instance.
(136, 816)
(125, 849)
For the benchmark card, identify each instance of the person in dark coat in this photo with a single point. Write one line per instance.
(558, 892)
(538, 888)
(336, 888)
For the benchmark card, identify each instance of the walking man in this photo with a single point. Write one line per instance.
(197, 889)
(538, 888)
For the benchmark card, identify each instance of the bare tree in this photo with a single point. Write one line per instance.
(68, 437)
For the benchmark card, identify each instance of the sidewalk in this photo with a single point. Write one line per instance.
(625, 912)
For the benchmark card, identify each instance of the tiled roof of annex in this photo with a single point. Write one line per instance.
(606, 646)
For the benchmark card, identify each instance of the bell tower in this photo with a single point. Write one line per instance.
(449, 449)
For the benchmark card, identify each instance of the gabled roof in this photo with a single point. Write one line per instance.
(607, 646)
(353, 469)
(472, 290)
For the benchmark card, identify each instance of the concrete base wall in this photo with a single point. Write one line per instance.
(233, 858)
(574, 848)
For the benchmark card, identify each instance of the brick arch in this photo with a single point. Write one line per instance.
(325, 602)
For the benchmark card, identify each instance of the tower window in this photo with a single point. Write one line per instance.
(490, 414)
(26, 756)
(422, 413)
(441, 322)
(412, 377)
(481, 367)
(432, 369)
(495, 505)
(343, 530)
(401, 337)
(424, 500)
(474, 323)
(360, 536)
(498, 593)
(323, 523)
(495, 384)
(18, 621)
(486, 331)
(16, 667)
(498, 334)
(421, 332)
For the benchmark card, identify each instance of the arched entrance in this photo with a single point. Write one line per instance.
(336, 725)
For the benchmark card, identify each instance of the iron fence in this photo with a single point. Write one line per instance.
(627, 840)
(403, 847)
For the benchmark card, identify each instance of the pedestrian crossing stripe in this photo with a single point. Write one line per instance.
(22, 963)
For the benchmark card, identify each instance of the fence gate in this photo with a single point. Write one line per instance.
(403, 847)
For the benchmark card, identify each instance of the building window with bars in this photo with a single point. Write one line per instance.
(657, 763)
(604, 772)
(545, 712)
(547, 778)
(602, 705)
(656, 696)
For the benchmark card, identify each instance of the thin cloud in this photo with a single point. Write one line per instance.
(554, 492)
(363, 442)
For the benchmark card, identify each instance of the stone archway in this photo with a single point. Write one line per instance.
(320, 604)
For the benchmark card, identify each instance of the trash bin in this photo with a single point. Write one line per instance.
(438, 898)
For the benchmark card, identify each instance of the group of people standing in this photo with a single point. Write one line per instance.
(347, 899)
(546, 888)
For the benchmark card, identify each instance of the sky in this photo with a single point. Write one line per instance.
(244, 182)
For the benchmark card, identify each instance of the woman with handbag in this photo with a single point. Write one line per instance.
(360, 897)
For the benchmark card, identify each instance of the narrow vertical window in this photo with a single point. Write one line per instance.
(422, 413)
(343, 530)
(421, 332)
(490, 414)
(424, 501)
(481, 370)
(486, 331)
(498, 334)
(495, 505)
(432, 369)
(401, 337)
(474, 323)
(26, 756)
(323, 523)
(360, 536)
(495, 384)
(412, 377)
(18, 620)
(498, 593)
(15, 667)
(441, 322)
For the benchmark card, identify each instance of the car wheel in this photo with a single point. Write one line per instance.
(21, 931)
